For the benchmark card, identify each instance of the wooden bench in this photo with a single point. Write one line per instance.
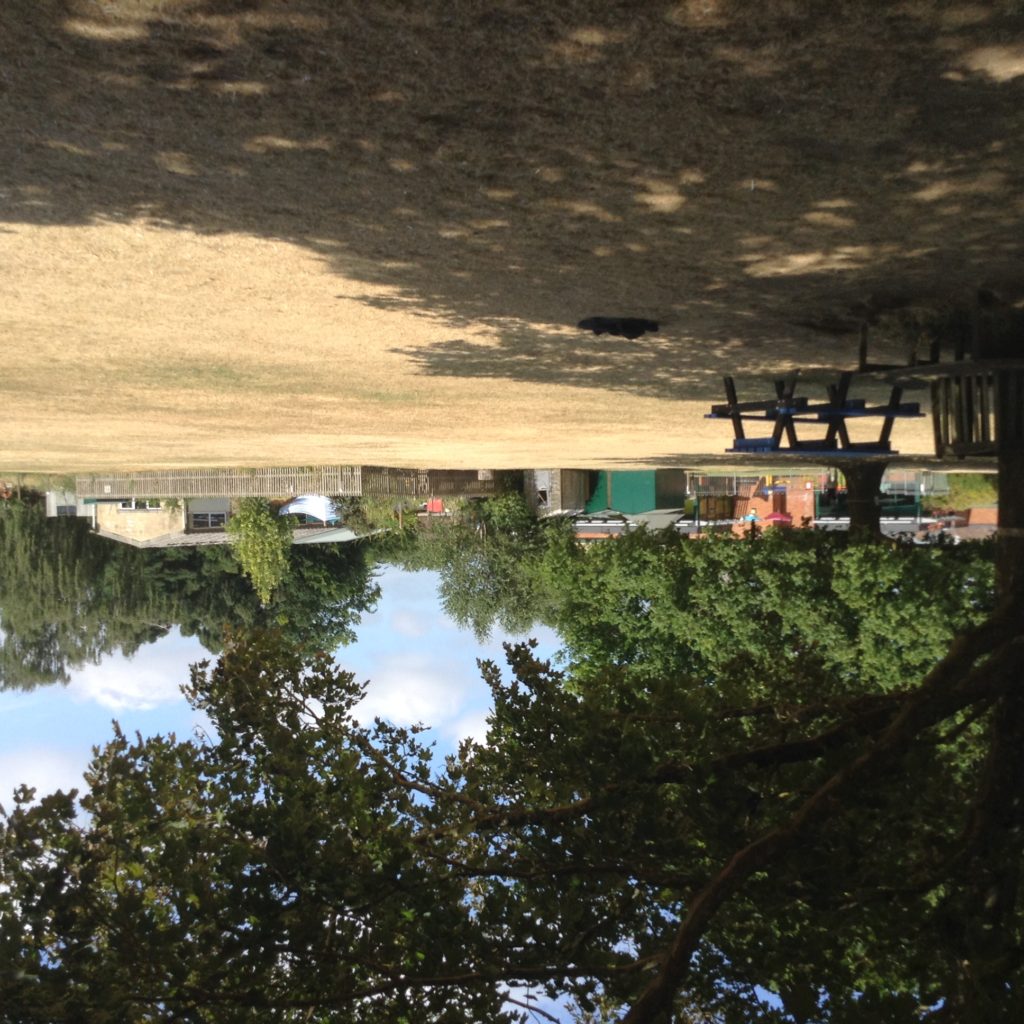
(787, 410)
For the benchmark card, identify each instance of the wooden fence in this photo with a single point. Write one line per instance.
(279, 482)
(728, 485)
(978, 411)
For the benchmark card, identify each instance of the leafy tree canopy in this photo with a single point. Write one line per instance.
(658, 603)
(262, 542)
(656, 844)
(489, 558)
(68, 597)
(791, 602)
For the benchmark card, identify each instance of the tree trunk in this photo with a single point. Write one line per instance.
(1010, 537)
(996, 827)
(863, 481)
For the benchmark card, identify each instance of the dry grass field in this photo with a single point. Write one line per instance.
(297, 231)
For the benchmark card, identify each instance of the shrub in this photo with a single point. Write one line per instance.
(261, 542)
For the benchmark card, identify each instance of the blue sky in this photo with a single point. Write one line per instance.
(420, 665)
(421, 668)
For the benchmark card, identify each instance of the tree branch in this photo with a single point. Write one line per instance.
(930, 703)
(536, 1010)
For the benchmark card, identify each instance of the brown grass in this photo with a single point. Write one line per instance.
(259, 231)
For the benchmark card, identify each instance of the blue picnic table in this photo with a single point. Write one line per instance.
(787, 412)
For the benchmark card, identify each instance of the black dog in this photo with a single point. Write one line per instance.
(621, 326)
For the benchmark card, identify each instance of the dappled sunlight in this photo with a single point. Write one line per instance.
(844, 257)
(70, 147)
(661, 195)
(670, 364)
(661, 202)
(595, 36)
(489, 224)
(699, 13)
(828, 219)
(735, 172)
(176, 163)
(275, 143)
(999, 63)
(98, 30)
(551, 175)
(582, 208)
(585, 45)
(241, 88)
(987, 183)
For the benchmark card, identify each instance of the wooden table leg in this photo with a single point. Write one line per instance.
(784, 390)
(894, 402)
(837, 396)
(730, 397)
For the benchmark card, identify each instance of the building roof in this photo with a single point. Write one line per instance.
(315, 535)
(330, 535)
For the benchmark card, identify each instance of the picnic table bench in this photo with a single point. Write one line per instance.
(787, 410)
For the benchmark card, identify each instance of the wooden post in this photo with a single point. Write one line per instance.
(1009, 430)
(1010, 535)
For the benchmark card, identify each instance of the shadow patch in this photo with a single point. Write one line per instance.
(621, 326)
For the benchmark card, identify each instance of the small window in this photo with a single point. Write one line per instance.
(208, 520)
(66, 510)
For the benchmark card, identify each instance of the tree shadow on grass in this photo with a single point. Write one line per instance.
(666, 365)
(733, 172)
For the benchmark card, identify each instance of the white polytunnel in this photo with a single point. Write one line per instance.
(314, 506)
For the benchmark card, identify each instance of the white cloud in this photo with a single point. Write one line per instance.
(45, 768)
(409, 623)
(150, 678)
(422, 667)
(411, 687)
(470, 726)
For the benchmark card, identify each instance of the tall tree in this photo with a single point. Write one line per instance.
(273, 874)
(663, 603)
(794, 601)
(489, 557)
(664, 843)
(68, 597)
(322, 599)
(262, 542)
